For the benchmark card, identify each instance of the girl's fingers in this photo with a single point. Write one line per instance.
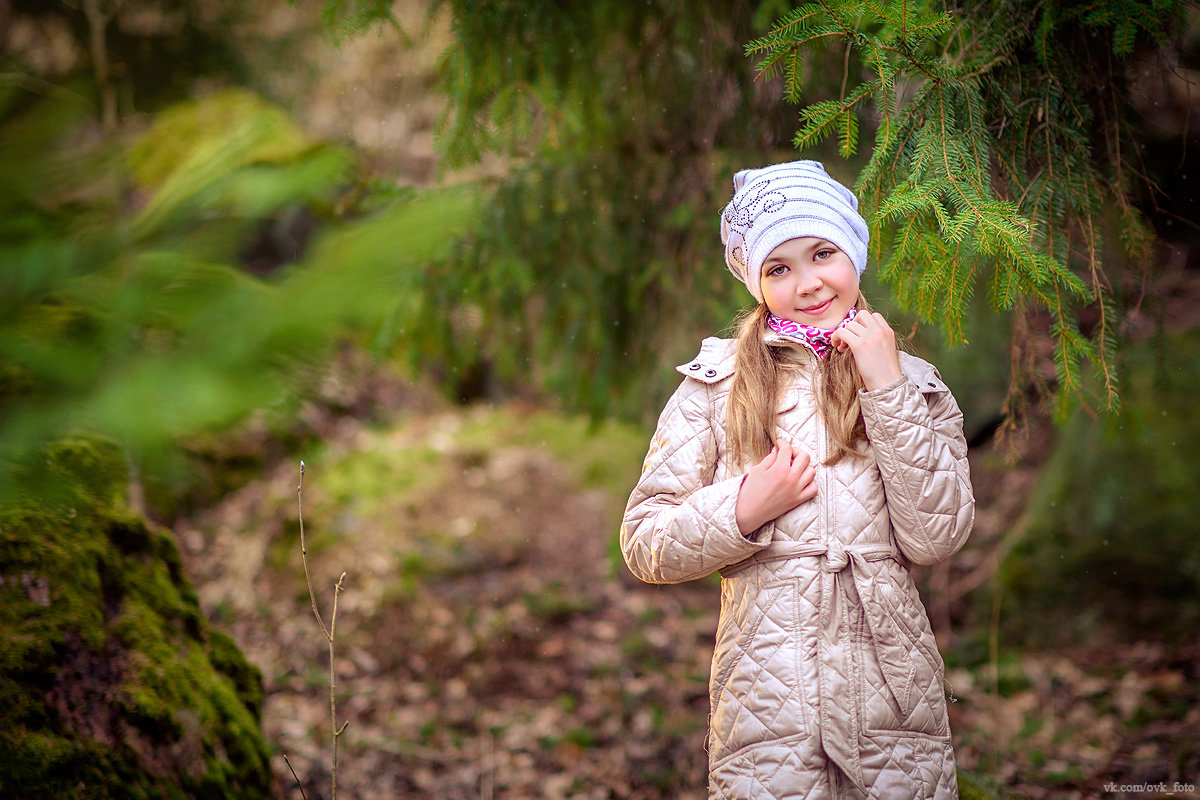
(798, 458)
(807, 479)
(844, 338)
(873, 321)
(866, 329)
(769, 458)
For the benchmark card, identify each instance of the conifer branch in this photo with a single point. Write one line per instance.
(992, 166)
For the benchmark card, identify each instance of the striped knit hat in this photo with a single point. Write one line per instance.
(786, 201)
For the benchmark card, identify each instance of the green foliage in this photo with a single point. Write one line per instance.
(522, 70)
(141, 324)
(598, 263)
(1000, 166)
(228, 155)
(1001, 156)
(1113, 535)
(569, 305)
(113, 684)
(345, 19)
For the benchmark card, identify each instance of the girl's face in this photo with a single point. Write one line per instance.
(809, 281)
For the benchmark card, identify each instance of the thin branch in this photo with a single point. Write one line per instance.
(846, 69)
(97, 22)
(329, 637)
(294, 775)
(337, 732)
(312, 596)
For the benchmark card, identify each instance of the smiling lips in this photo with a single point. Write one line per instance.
(817, 309)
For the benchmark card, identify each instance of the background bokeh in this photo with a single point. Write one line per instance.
(447, 253)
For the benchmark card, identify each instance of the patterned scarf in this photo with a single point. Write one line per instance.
(816, 339)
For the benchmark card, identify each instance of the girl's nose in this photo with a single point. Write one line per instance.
(809, 282)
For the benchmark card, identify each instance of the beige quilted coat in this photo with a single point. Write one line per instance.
(826, 680)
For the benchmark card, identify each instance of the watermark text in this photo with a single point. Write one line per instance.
(1161, 788)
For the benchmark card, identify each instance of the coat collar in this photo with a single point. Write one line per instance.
(714, 363)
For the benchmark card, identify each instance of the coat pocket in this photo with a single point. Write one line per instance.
(906, 661)
(757, 692)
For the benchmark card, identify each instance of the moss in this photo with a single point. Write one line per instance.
(972, 786)
(363, 479)
(112, 682)
(227, 659)
(94, 469)
(588, 450)
(556, 605)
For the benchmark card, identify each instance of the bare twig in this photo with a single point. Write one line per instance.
(337, 732)
(294, 775)
(487, 767)
(329, 636)
(312, 596)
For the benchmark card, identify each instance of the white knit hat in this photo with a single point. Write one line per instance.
(786, 201)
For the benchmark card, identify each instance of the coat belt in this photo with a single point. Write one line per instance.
(847, 584)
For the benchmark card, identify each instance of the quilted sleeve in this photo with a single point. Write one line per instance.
(916, 432)
(678, 525)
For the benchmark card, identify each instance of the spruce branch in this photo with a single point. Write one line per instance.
(998, 156)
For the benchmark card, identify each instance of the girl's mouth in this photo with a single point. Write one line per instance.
(818, 309)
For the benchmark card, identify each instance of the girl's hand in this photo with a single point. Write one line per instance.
(774, 486)
(872, 342)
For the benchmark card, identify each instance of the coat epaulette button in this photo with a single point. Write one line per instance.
(695, 366)
(710, 372)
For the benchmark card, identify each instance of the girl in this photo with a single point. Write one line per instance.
(810, 462)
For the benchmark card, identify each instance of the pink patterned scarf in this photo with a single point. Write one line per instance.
(816, 339)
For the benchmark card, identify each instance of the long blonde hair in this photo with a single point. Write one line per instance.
(754, 396)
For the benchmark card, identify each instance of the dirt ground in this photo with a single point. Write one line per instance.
(490, 644)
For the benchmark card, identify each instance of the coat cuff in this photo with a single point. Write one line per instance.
(885, 390)
(884, 408)
(729, 543)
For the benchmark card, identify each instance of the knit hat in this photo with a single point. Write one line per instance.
(785, 201)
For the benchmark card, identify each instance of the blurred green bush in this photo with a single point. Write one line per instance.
(128, 307)
(1113, 545)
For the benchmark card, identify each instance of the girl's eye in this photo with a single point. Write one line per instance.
(777, 270)
(821, 255)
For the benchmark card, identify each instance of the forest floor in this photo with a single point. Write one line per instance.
(489, 642)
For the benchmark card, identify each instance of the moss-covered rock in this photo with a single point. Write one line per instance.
(112, 682)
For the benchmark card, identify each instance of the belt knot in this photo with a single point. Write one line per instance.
(835, 557)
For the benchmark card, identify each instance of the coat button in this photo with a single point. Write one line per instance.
(695, 366)
(710, 372)
(932, 385)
